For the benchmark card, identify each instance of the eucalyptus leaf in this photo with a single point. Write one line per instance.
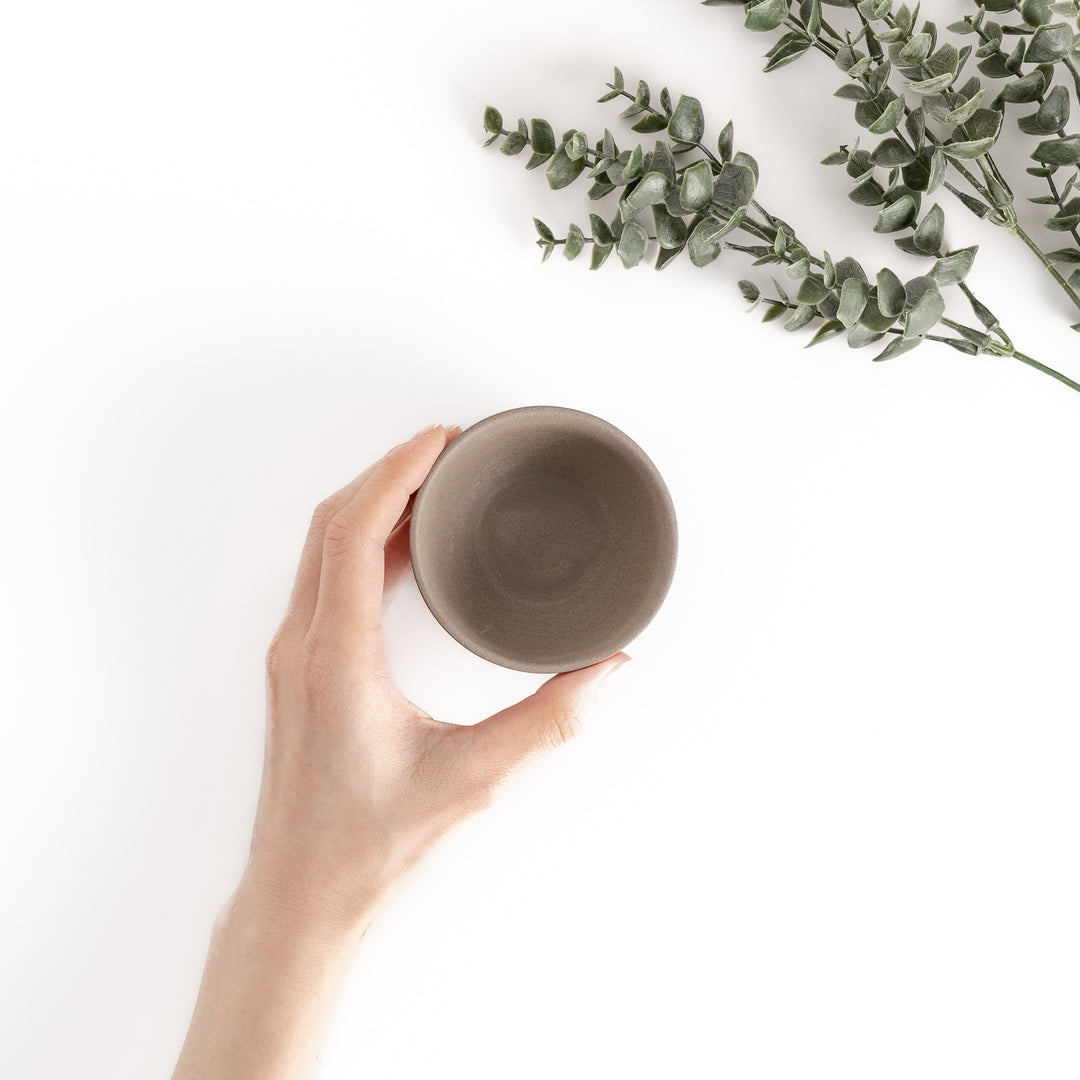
(734, 187)
(697, 186)
(632, 244)
(953, 267)
(788, 49)
(897, 347)
(563, 170)
(930, 233)
(853, 296)
(1059, 151)
(891, 296)
(925, 315)
(897, 215)
(1049, 44)
(600, 232)
(889, 118)
(702, 251)
(671, 232)
(650, 189)
(766, 15)
(575, 242)
(812, 290)
(892, 153)
(687, 122)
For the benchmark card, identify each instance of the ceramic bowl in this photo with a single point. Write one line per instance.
(543, 539)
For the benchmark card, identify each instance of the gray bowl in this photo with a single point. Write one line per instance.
(543, 539)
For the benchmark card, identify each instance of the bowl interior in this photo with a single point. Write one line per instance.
(544, 539)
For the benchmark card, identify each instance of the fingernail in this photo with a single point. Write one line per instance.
(452, 432)
(615, 665)
(425, 432)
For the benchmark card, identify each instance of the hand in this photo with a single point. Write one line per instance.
(358, 781)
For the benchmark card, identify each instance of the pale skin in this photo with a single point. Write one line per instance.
(358, 782)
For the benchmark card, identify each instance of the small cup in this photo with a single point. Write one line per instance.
(543, 539)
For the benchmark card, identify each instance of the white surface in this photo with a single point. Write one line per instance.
(824, 824)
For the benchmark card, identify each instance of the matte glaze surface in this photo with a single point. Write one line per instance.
(544, 539)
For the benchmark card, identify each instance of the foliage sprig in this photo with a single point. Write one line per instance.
(703, 202)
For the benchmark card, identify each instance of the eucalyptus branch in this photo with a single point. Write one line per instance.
(916, 158)
(710, 204)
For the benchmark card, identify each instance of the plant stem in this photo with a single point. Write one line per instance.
(1016, 229)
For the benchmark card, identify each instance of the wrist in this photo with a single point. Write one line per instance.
(279, 900)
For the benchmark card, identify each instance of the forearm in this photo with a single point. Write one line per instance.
(271, 979)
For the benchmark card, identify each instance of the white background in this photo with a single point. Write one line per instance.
(824, 824)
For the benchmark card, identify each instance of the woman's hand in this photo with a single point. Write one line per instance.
(358, 781)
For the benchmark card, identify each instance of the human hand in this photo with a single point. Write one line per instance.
(358, 781)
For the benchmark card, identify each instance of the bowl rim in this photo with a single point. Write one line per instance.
(579, 419)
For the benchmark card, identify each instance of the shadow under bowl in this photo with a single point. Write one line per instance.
(543, 539)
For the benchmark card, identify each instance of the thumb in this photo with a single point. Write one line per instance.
(552, 716)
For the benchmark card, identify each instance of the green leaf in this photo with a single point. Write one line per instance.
(734, 187)
(722, 228)
(650, 189)
(687, 123)
(930, 234)
(542, 137)
(889, 117)
(1059, 151)
(750, 291)
(662, 161)
(563, 170)
(600, 252)
(632, 244)
(829, 272)
(891, 297)
(671, 231)
(896, 216)
(789, 48)
(667, 255)
(767, 15)
(493, 120)
(649, 123)
(897, 347)
(1062, 222)
(914, 51)
(514, 143)
(1066, 255)
(632, 169)
(828, 329)
(1028, 88)
(1053, 113)
(697, 186)
(853, 92)
(746, 162)
(953, 267)
(575, 242)
(1049, 44)
(543, 230)
(853, 296)
(812, 290)
(725, 144)
(577, 146)
(938, 165)
(600, 232)
(800, 317)
(925, 315)
(892, 153)
(962, 113)
(860, 335)
(980, 133)
(702, 251)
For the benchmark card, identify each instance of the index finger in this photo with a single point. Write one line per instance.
(349, 603)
